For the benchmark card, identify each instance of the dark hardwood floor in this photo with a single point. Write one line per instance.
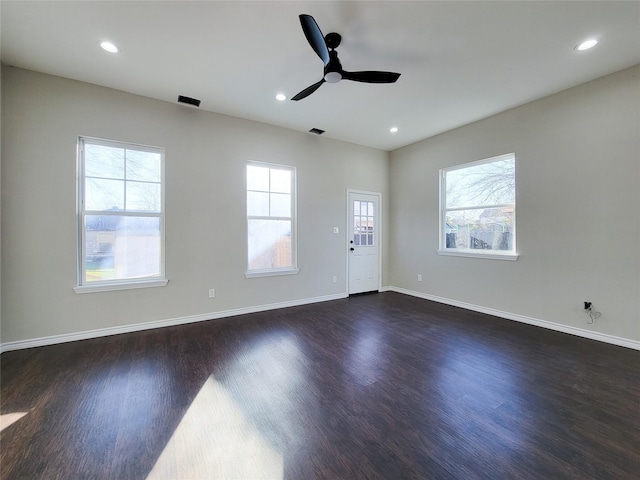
(376, 386)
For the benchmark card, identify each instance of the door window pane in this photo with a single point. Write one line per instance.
(363, 223)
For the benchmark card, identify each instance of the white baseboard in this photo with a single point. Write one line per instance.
(104, 332)
(580, 332)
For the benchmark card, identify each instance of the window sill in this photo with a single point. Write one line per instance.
(271, 273)
(479, 254)
(106, 287)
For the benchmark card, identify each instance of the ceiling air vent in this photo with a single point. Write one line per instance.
(317, 131)
(188, 101)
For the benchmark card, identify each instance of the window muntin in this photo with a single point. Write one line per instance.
(478, 207)
(270, 219)
(121, 213)
(363, 223)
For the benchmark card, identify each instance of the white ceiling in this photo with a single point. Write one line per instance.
(460, 61)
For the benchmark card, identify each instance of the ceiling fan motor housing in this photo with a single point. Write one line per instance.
(333, 69)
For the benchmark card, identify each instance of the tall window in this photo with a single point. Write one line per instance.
(477, 208)
(271, 226)
(121, 215)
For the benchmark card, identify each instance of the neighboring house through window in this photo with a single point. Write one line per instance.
(478, 209)
(121, 215)
(271, 219)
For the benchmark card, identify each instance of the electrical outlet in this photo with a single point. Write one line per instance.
(336, 230)
(419, 277)
(212, 293)
(335, 279)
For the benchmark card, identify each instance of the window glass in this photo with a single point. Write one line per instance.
(363, 223)
(121, 212)
(270, 218)
(478, 213)
(145, 166)
(257, 178)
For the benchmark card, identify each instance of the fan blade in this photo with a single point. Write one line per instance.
(371, 77)
(308, 91)
(314, 37)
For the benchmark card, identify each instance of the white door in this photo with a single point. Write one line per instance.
(363, 239)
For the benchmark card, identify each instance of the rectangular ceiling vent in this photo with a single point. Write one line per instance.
(188, 101)
(317, 131)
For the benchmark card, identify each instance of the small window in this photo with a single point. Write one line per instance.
(478, 209)
(363, 223)
(121, 215)
(271, 222)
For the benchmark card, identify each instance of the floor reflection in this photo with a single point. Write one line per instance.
(215, 440)
(367, 358)
(477, 392)
(7, 419)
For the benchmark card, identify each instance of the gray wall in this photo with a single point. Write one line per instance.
(578, 209)
(206, 155)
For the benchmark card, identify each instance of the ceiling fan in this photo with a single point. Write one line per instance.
(333, 72)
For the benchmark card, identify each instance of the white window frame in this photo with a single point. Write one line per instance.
(293, 269)
(117, 284)
(468, 252)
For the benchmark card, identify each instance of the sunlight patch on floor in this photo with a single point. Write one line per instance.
(215, 440)
(7, 419)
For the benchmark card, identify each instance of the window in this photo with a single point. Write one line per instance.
(478, 209)
(121, 215)
(363, 223)
(271, 227)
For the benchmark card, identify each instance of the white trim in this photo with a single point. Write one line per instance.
(293, 218)
(580, 332)
(271, 273)
(479, 254)
(104, 332)
(81, 212)
(348, 227)
(442, 209)
(106, 287)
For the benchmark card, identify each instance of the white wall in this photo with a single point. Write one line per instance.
(578, 210)
(206, 155)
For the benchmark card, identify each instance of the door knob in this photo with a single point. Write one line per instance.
(352, 249)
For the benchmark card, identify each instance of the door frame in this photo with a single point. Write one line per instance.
(348, 229)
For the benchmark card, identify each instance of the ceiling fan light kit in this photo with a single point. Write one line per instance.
(325, 46)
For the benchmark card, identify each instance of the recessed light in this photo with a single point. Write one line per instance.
(281, 97)
(587, 44)
(109, 47)
(393, 129)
